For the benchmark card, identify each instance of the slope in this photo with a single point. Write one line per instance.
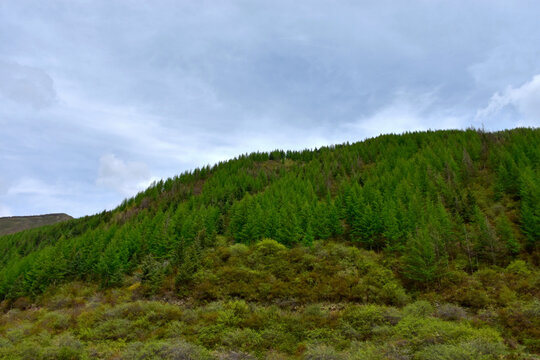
(13, 224)
(287, 253)
(434, 197)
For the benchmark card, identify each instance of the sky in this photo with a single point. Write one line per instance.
(99, 98)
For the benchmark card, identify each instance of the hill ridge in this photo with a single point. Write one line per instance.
(360, 250)
(13, 224)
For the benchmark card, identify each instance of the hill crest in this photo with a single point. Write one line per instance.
(14, 224)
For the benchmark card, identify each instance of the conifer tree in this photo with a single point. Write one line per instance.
(421, 263)
(506, 233)
(530, 206)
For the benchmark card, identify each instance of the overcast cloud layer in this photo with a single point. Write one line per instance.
(99, 98)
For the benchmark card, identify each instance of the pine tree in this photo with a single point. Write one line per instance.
(506, 233)
(530, 206)
(421, 263)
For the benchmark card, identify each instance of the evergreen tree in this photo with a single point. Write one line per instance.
(422, 265)
(506, 233)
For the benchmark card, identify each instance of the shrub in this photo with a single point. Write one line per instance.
(427, 331)
(357, 322)
(450, 312)
(419, 308)
(175, 329)
(366, 351)
(278, 337)
(379, 285)
(233, 314)
(472, 350)
(238, 249)
(178, 350)
(114, 329)
(242, 339)
(235, 355)
(210, 336)
(55, 321)
(322, 352)
(65, 347)
(518, 267)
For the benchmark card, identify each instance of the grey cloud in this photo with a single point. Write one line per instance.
(4, 211)
(26, 85)
(30, 186)
(45, 197)
(180, 84)
(122, 176)
(3, 186)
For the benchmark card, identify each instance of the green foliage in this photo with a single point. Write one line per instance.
(359, 322)
(268, 271)
(468, 350)
(422, 263)
(268, 251)
(507, 235)
(236, 329)
(428, 196)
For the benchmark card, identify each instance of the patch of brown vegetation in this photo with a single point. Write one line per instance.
(13, 224)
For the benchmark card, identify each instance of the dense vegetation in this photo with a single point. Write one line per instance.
(13, 224)
(285, 254)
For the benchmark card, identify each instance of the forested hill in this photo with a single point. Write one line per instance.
(13, 224)
(428, 201)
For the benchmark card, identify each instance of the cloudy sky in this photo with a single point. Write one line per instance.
(99, 98)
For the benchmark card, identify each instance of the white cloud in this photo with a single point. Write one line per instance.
(405, 113)
(3, 187)
(126, 177)
(525, 99)
(31, 186)
(26, 85)
(4, 211)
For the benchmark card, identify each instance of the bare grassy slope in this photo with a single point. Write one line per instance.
(13, 224)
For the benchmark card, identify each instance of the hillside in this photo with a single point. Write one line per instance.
(416, 246)
(13, 224)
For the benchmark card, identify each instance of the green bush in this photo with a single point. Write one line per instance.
(54, 321)
(242, 339)
(425, 331)
(519, 267)
(65, 347)
(357, 322)
(113, 329)
(419, 308)
(476, 350)
(175, 350)
(323, 352)
(450, 312)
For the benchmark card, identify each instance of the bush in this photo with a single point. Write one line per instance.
(419, 308)
(473, 350)
(428, 331)
(357, 322)
(65, 347)
(450, 312)
(242, 339)
(114, 329)
(322, 352)
(178, 350)
(518, 267)
(269, 271)
(235, 355)
(54, 321)
(366, 351)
